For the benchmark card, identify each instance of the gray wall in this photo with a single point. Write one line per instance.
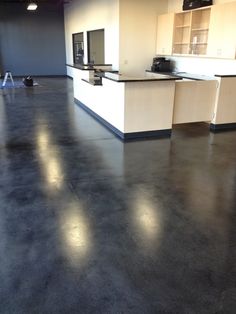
(32, 43)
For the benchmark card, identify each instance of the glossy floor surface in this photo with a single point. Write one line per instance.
(89, 224)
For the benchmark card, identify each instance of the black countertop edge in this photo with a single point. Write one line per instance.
(142, 80)
(86, 67)
(225, 75)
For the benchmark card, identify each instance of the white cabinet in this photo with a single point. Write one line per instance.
(194, 101)
(208, 31)
(222, 31)
(165, 24)
(225, 106)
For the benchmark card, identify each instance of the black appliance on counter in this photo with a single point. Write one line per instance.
(193, 4)
(160, 64)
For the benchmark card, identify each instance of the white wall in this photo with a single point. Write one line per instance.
(205, 66)
(138, 20)
(130, 30)
(86, 15)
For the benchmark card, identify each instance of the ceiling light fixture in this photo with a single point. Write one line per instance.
(32, 6)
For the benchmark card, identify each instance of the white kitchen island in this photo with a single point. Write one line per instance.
(131, 107)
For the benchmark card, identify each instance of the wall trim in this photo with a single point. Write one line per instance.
(125, 136)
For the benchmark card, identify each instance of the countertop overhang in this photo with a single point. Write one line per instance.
(87, 67)
(120, 78)
(192, 76)
(186, 75)
(225, 75)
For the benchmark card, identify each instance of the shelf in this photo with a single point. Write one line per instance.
(181, 43)
(198, 43)
(191, 32)
(188, 55)
(182, 26)
(200, 29)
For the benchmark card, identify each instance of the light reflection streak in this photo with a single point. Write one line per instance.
(73, 223)
(50, 160)
(76, 233)
(147, 217)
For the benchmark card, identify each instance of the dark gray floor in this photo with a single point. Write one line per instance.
(91, 225)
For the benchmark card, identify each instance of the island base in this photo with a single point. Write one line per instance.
(166, 133)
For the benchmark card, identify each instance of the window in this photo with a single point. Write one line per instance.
(96, 46)
(78, 48)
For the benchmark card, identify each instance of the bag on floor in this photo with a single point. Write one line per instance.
(28, 81)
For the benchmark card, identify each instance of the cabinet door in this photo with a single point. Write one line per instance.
(201, 106)
(222, 35)
(165, 25)
(182, 30)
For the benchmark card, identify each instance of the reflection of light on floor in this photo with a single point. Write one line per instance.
(76, 233)
(50, 161)
(147, 217)
(53, 172)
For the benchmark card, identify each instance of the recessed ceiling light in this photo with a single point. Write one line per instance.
(32, 6)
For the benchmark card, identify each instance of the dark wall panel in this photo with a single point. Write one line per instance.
(32, 43)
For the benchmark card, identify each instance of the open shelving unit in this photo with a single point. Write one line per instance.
(191, 32)
(182, 29)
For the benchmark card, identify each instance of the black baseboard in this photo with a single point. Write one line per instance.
(158, 134)
(125, 136)
(222, 127)
(50, 76)
(36, 76)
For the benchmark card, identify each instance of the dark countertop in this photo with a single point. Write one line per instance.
(87, 67)
(196, 77)
(185, 75)
(225, 75)
(123, 78)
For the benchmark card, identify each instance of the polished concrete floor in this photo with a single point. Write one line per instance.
(91, 225)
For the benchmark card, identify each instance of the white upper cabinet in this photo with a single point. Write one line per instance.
(222, 31)
(191, 32)
(165, 25)
(182, 31)
(208, 31)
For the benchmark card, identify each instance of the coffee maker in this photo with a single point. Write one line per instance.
(160, 64)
